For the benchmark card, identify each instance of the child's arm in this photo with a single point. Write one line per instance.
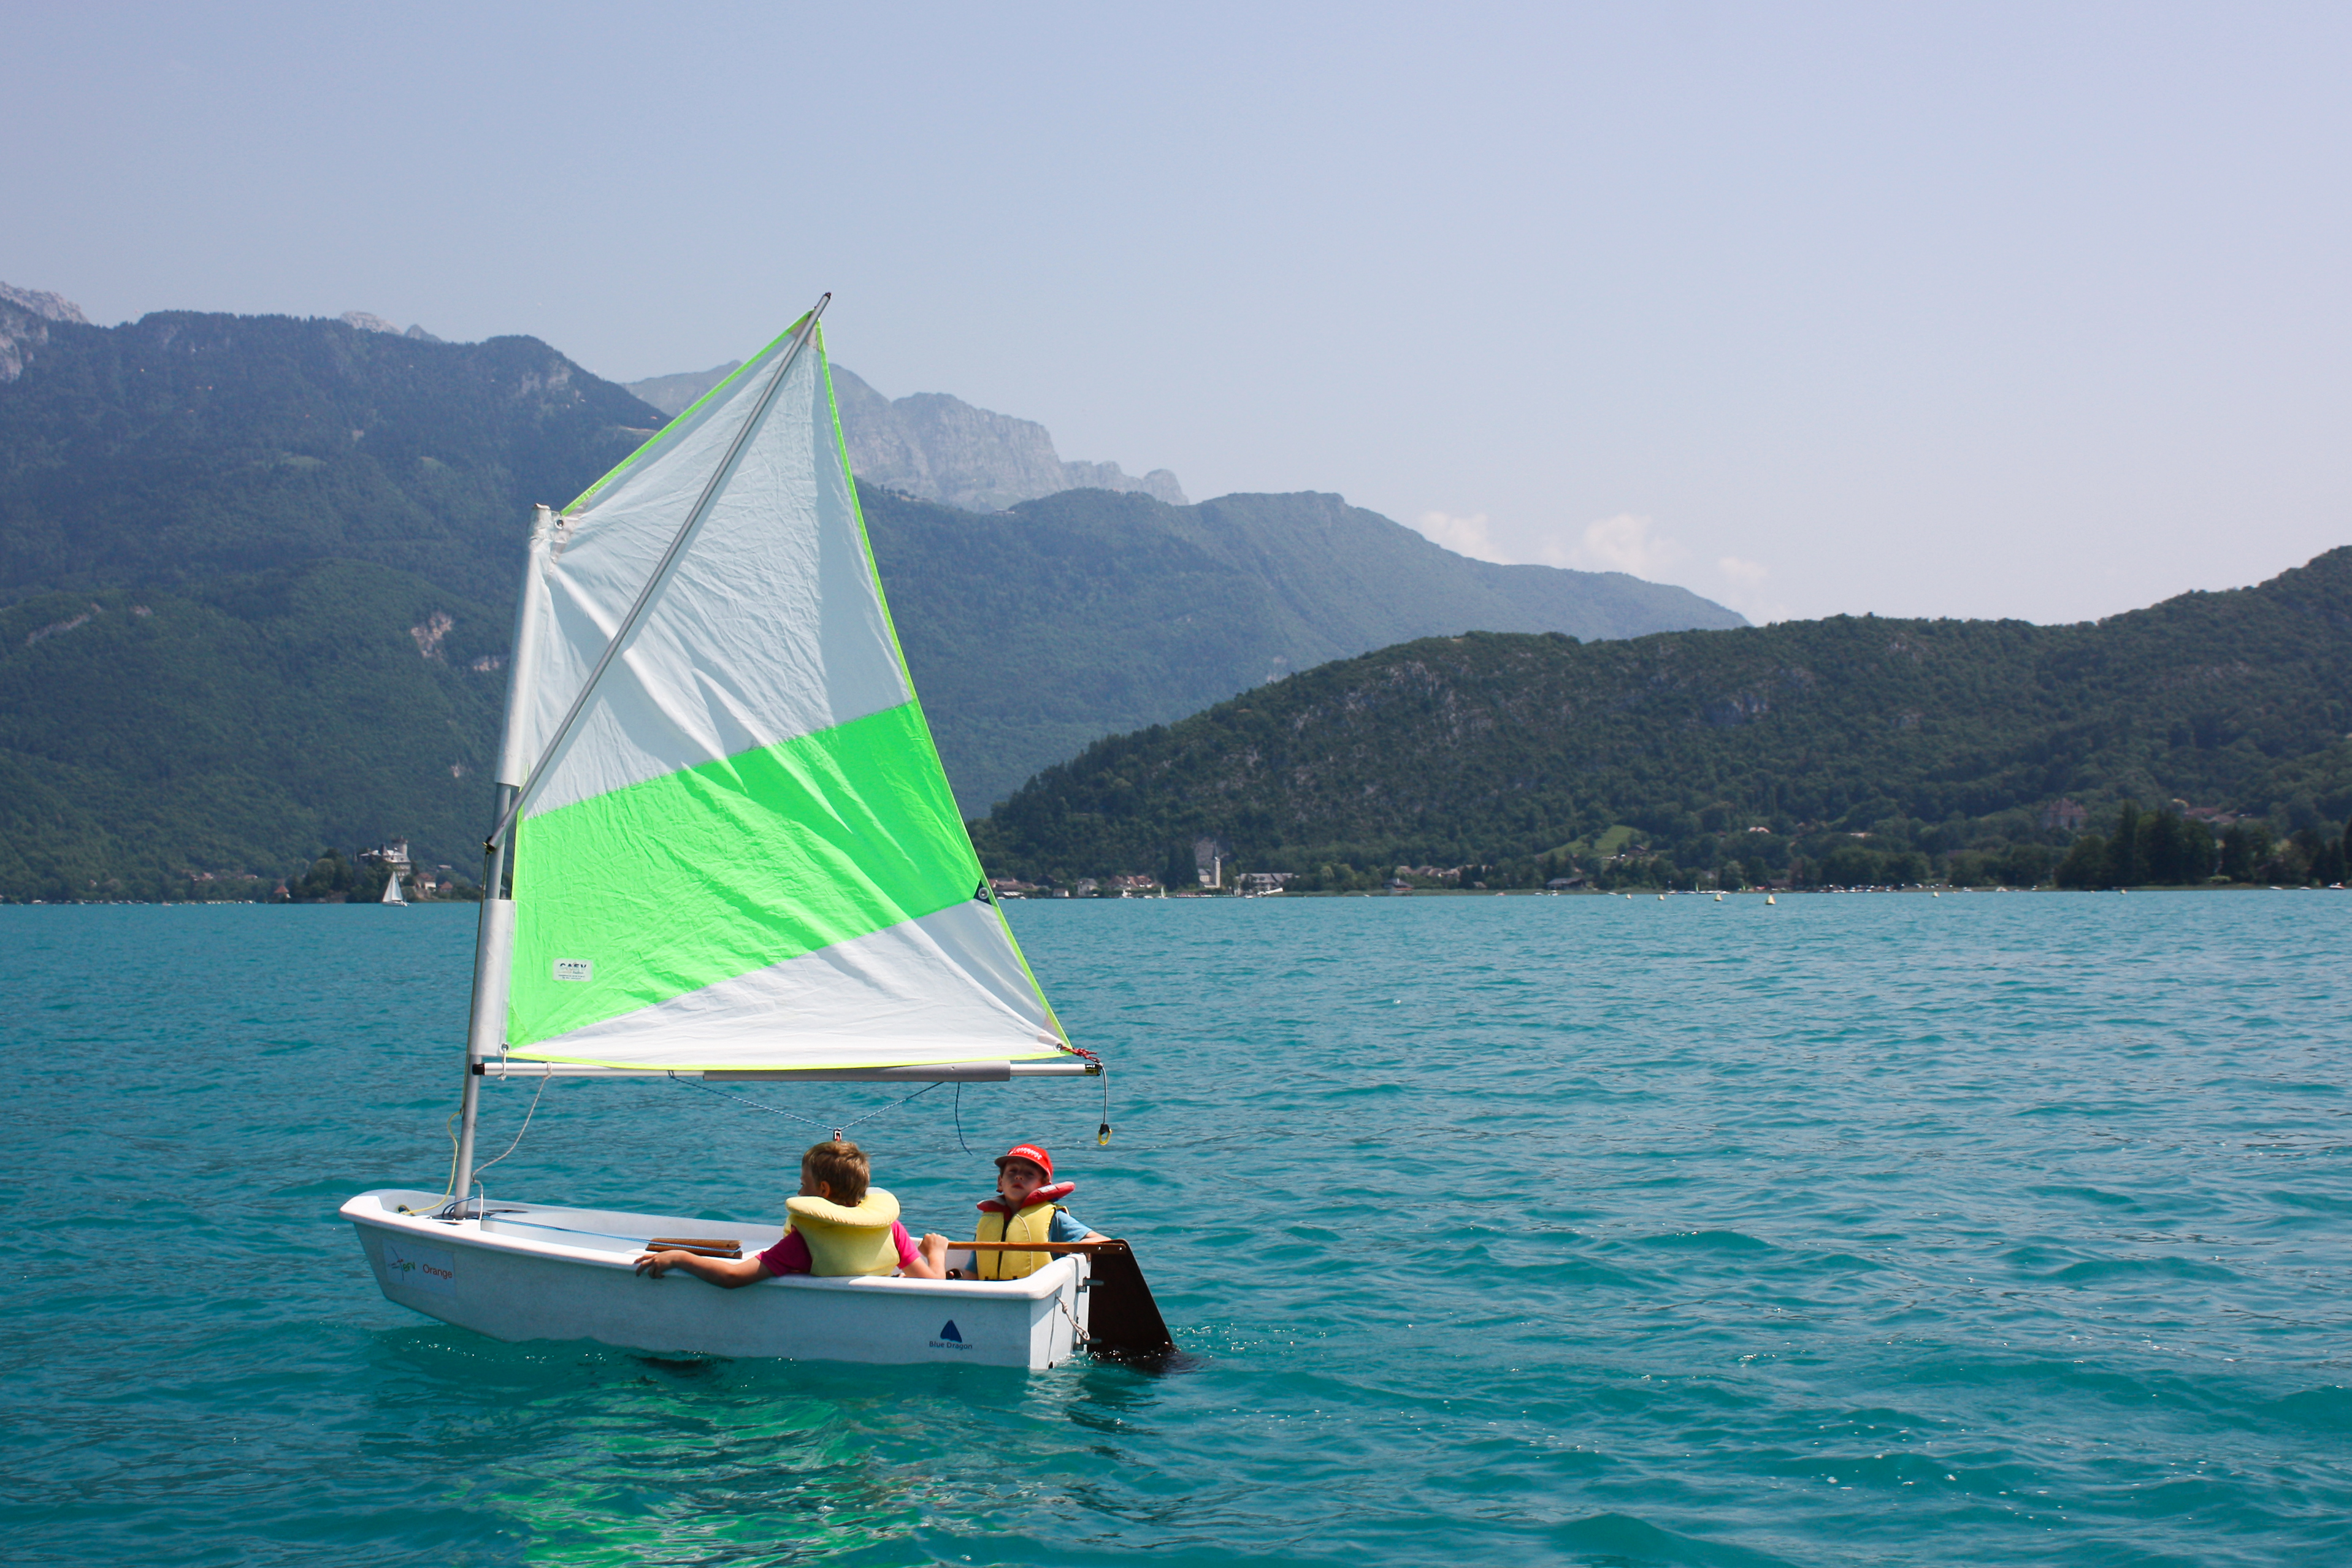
(927, 1262)
(725, 1272)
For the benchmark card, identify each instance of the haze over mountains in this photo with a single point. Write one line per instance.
(257, 576)
(938, 448)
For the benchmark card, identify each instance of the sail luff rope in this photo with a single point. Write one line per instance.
(629, 623)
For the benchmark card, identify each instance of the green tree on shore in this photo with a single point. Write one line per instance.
(2087, 865)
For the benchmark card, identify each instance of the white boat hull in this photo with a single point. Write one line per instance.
(532, 1271)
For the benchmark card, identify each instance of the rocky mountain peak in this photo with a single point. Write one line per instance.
(24, 318)
(938, 448)
(47, 306)
(367, 322)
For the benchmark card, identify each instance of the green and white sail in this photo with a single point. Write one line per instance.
(739, 850)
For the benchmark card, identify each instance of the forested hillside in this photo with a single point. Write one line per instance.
(183, 447)
(1848, 751)
(176, 742)
(258, 575)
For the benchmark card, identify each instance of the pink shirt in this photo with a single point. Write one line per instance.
(790, 1256)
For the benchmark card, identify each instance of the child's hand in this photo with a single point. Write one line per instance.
(654, 1263)
(931, 1260)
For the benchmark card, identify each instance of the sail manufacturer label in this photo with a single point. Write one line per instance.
(576, 968)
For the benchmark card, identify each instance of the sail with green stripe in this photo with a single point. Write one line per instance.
(739, 850)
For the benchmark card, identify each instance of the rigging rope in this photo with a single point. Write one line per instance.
(527, 1116)
(795, 1116)
(1102, 1133)
(450, 1188)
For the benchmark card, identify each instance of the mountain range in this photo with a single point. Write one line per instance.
(255, 580)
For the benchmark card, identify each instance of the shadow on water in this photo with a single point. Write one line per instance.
(1152, 1363)
(688, 1366)
(576, 1453)
(595, 1456)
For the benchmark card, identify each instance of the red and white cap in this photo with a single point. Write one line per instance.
(1033, 1154)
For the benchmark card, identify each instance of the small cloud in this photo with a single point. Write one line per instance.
(1627, 543)
(1623, 543)
(1467, 536)
(1748, 595)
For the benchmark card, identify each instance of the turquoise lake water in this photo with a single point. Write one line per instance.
(1860, 1230)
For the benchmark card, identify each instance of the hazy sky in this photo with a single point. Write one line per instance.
(1979, 310)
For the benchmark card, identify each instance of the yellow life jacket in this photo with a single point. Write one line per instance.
(1033, 1223)
(844, 1240)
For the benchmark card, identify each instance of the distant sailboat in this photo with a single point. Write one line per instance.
(392, 891)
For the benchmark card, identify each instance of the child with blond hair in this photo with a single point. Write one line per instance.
(839, 1224)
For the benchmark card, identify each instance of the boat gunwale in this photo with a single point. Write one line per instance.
(1046, 1281)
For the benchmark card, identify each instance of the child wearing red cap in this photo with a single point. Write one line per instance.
(1027, 1208)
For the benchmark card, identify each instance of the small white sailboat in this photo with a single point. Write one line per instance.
(391, 892)
(724, 849)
